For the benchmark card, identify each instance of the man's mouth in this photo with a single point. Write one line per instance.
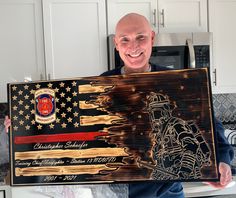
(135, 55)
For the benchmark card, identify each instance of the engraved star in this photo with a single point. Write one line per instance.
(76, 124)
(15, 128)
(20, 102)
(26, 97)
(27, 117)
(68, 99)
(62, 94)
(26, 87)
(14, 88)
(75, 104)
(62, 84)
(51, 126)
(37, 86)
(57, 110)
(21, 122)
(39, 127)
(68, 89)
(21, 112)
(49, 85)
(63, 115)
(69, 109)
(57, 99)
(32, 111)
(32, 91)
(15, 117)
(14, 97)
(20, 92)
(63, 104)
(69, 119)
(56, 89)
(73, 83)
(27, 127)
(75, 114)
(33, 122)
(57, 120)
(15, 107)
(63, 125)
(32, 101)
(27, 107)
(74, 93)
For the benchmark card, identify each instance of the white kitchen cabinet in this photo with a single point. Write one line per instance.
(118, 8)
(182, 16)
(222, 17)
(75, 37)
(5, 191)
(21, 42)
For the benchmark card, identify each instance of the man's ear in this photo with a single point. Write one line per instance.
(116, 44)
(153, 37)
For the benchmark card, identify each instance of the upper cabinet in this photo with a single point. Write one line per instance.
(164, 15)
(75, 38)
(21, 43)
(182, 16)
(49, 39)
(118, 8)
(222, 15)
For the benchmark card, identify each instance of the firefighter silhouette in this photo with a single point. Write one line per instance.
(179, 150)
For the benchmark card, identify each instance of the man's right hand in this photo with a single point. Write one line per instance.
(7, 123)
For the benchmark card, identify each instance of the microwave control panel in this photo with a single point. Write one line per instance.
(202, 56)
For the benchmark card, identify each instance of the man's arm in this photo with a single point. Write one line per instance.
(225, 154)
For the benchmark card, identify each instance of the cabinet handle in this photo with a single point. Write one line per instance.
(154, 17)
(163, 18)
(214, 72)
(49, 77)
(41, 76)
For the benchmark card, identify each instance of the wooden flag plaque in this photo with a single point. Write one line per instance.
(152, 126)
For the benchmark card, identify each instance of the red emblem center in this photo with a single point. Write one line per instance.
(45, 106)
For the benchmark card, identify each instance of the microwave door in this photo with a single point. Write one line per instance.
(174, 57)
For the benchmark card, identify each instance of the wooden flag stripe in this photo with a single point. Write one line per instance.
(59, 153)
(84, 89)
(86, 105)
(63, 170)
(82, 136)
(101, 119)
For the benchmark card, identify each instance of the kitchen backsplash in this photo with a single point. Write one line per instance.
(225, 109)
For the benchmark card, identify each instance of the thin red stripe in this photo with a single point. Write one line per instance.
(82, 136)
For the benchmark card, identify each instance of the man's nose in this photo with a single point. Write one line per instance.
(133, 45)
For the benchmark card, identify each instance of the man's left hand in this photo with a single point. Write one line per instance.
(225, 176)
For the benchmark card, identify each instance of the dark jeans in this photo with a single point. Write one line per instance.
(156, 190)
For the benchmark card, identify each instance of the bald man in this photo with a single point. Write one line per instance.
(134, 40)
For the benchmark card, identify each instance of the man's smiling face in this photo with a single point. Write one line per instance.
(134, 39)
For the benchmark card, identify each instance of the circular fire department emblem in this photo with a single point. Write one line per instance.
(45, 106)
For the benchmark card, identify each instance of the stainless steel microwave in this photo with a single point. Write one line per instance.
(173, 50)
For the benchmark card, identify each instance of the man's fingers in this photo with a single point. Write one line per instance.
(7, 123)
(225, 174)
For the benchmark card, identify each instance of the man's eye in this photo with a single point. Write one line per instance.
(141, 38)
(124, 40)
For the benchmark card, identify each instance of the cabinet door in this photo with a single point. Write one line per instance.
(75, 37)
(182, 15)
(118, 8)
(21, 42)
(222, 15)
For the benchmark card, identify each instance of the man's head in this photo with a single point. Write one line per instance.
(134, 39)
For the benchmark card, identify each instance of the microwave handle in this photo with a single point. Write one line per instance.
(111, 49)
(191, 54)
